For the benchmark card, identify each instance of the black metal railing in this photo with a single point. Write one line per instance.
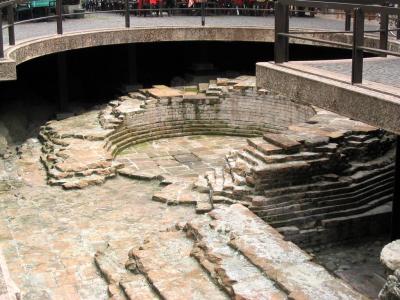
(282, 10)
(352, 9)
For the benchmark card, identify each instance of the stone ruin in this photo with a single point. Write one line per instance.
(314, 176)
(324, 180)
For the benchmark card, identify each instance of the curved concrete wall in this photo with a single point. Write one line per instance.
(34, 48)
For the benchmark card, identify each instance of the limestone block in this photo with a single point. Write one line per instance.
(390, 255)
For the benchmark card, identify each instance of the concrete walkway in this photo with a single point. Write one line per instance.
(382, 70)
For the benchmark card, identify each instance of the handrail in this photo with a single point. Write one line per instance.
(348, 6)
(333, 43)
(343, 6)
(6, 3)
(353, 7)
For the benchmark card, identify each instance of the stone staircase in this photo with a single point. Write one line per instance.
(308, 177)
(229, 253)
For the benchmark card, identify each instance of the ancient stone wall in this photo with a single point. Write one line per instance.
(234, 112)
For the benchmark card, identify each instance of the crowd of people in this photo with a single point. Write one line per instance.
(181, 6)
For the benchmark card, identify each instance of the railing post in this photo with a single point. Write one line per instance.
(347, 23)
(358, 41)
(396, 196)
(1, 35)
(59, 16)
(203, 13)
(10, 21)
(398, 26)
(127, 15)
(384, 34)
(281, 50)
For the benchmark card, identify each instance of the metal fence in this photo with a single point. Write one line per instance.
(282, 10)
(353, 9)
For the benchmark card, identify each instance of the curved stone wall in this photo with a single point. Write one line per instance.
(221, 112)
(79, 151)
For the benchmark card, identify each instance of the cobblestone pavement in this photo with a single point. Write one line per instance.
(99, 21)
(49, 236)
(385, 71)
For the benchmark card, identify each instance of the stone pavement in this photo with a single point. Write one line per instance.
(187, 156)
(382, 70)
(49, 236)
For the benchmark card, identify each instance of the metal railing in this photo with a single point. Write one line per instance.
(126, 12)
(352, 9)
(282, 9)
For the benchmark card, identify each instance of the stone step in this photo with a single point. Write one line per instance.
(310, 207)
(122, 283)
(228, 180)
(328, 193)
(309, 220)
(306, 203)
(281, 191)
(182, 192)
(201, 185)
(250, 159)
(281, 141)
(281, 261)
(328, 188)
(230, 269)
(167, 264)
(264, 147)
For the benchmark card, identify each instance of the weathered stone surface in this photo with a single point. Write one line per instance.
(280, 260)
(281, 141)
(182, 193)
(161, 91)
(122, 283)
(313, 173)
(390, 255)
(231, 270)
(174, 274)
(391, 289)
(3, 145)
(8, 289)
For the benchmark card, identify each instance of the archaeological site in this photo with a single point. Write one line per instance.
(200, 150)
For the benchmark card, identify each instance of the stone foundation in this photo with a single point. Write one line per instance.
(78, 151)
(322, 181)
(316, 177)
(229, 253)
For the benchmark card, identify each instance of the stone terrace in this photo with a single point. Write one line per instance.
(61, 243)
